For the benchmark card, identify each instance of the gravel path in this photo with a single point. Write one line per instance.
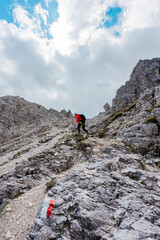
(19, 215)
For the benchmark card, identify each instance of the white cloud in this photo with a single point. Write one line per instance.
(83, 65)
(42, 12)
(140, 14)
(77, 22)
(7, 67)
(21, 16)
(31, 25)
(27, 25)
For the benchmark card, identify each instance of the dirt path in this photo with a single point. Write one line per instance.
(19, 215)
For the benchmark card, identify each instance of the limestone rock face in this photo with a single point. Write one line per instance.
(109, 196)
(135, 113)
(145, 75)
(17, 114)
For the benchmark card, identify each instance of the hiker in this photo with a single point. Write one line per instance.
(81, 122)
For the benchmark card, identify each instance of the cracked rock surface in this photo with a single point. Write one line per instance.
(111, 196)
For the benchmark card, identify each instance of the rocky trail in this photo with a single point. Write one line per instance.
(112, 195)
(108, 162)
(19, 215)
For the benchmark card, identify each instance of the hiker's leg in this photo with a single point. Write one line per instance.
(78, 127)
(83, 126)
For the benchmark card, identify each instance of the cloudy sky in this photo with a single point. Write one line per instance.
(74, 54)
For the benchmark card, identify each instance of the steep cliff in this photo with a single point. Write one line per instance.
(146, 75)
(135, 113)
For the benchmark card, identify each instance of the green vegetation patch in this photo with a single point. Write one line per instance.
(142, 182)
(2, 209)
(130, 148)
(151, 119)
(118, 114)
(77, 137)
(101, 133)
(18, 154)
(149, 110)
(19, 195)
(120, 124)
(82, 145)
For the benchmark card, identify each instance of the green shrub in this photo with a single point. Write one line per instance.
(157, 106)
(151, 119)
(101, 133)
(82, 145)
(19, 195)
(2, 209)
(142, 182)
(120, 124)
(149, 110)
(113, 116)
(130, 148)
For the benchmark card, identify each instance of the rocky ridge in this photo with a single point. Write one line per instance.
(105, 186)
(145, 76)
(18, 116)
(135, 112)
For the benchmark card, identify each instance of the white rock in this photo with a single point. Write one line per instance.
(30, 204)
(9, 209)
(145, 226)
(8, 235)
(126, 235)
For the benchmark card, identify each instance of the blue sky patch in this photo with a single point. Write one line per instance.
(111, 17)
(53, 11)
(6, 10)
(7, 6)
(117, 34)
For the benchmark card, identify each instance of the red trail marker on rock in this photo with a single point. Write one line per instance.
(50, 208)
